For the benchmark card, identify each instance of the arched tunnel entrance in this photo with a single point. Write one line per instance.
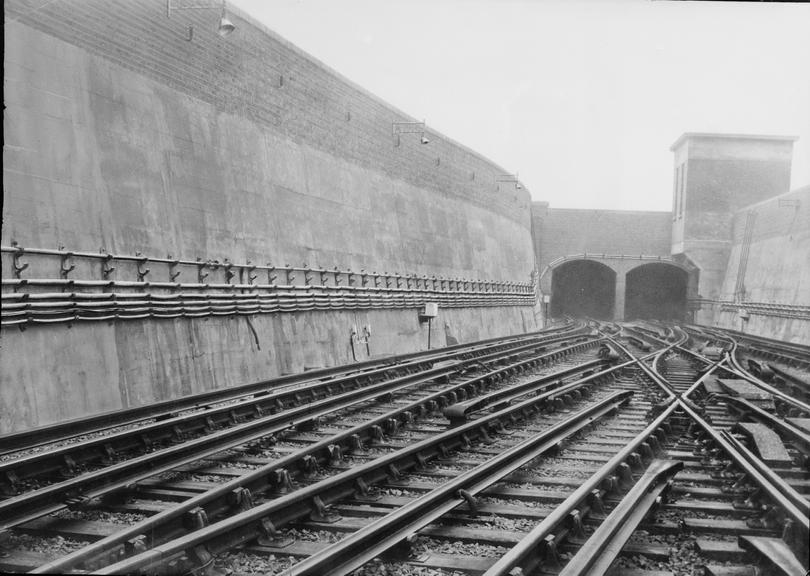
(583, 288)
(657, 291)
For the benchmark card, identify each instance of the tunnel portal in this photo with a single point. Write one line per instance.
(656, 291)
(583, 288)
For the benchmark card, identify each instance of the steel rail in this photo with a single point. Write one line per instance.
(802, 385)
(769, 488)
(34, 504)
(705, 376)
(639, 343)
(788, 352)
(273, 475)
(791, 347)
(743, 373)
(280, 511)
(523, 554)
(380, 535)
(681, 346)
(30, 438)
(734, 368)
(639, 334)
(105, 448)
(766, 479)
(795, 435)
(796, 499)
(657, 379)
(775, 554)
(460, 411)
(31, 505)
(607, 541)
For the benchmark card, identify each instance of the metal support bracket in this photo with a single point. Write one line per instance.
(271, 536)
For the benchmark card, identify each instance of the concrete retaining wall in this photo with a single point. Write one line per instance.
(122, 136)
(55, 374)
(776, 271)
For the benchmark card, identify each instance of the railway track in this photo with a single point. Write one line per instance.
(106, 423)
(621, 451)
(32, 505)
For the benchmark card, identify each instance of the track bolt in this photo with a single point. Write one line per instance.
(356, 445)
(472, 503)
(310, 465)
(394, 472)
(335, 455)
(421, 461)
(69, 468)
(377, 436)
(135, 545)
(550, 554)
(597, 503)
(283, 482)
(625, 475)
(9, 487)
(392, 426)
(195, 519)
(241, 499)
(321, 512)
(576, 524)
(271, 536)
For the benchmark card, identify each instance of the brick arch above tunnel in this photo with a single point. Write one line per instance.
(622, 265)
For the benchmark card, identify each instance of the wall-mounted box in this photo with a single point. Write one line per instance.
(431, 310)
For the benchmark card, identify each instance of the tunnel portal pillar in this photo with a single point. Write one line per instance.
(618, 303)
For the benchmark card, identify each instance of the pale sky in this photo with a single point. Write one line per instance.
(582, 98)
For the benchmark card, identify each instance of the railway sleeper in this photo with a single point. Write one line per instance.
(528, 412)
(473, 434)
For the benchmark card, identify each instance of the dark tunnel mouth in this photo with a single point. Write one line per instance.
(656, 291)
(583, 288)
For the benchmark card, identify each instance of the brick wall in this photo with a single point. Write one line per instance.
(721, 173)
(256, 75)
(716, 188)
(565, 232)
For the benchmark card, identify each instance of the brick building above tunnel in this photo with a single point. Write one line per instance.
(715, 176)
(732, 206)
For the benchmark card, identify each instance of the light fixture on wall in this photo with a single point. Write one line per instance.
(225, 25)
(398, 128)
(513, 178)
